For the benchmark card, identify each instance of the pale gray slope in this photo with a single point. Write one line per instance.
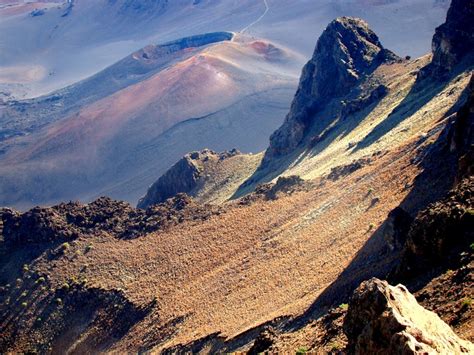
(64, 46)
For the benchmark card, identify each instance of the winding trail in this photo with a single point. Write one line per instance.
(267, 8)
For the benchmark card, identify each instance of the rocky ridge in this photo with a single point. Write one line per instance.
(68, 221)
(347, 51)
(380, 318)
(184, 176)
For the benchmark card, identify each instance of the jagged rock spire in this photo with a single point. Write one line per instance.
(346, 52)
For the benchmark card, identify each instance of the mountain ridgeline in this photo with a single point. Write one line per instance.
(367, 182)
(347, 51)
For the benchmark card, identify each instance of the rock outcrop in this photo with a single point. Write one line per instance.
(347, 51)
(68, 221)
(454, 39)
(182, 177)
(462, 134)
(439, 233)
(383, 319)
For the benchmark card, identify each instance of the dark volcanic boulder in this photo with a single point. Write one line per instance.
(346, 52)
(384, 319)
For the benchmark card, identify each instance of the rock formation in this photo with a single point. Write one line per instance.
(68, 221)
(454, 39)
(181, 177)
(462, 134)
(346, 52)
(383, 319)
(439, 232)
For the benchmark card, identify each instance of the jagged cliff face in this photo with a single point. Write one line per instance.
(454, 39)
(346, 52)
(182, 177)
(205, 175)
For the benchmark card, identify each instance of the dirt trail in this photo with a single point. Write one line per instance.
(267, 8)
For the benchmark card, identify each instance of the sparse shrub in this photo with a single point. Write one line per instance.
(89, 247)
(335, 347)
(59, 301)
(26, 268)
(371, 226)
(40, 280)
(369, 191)
(65, 286)
(65, 246)
(344, 306)
(466, 303)
(472, 246)
(302, 350)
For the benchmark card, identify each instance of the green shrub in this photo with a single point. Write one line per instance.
(59, 301)
(24, 304)
(335, 347)
(40, 280)
(466, 303)
(24, 294)
(344, 306)
(301, 351)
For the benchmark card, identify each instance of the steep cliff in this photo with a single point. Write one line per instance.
(347, 51)
(207, 176)
(454, 39)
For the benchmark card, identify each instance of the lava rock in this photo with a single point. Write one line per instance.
(383, 319)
